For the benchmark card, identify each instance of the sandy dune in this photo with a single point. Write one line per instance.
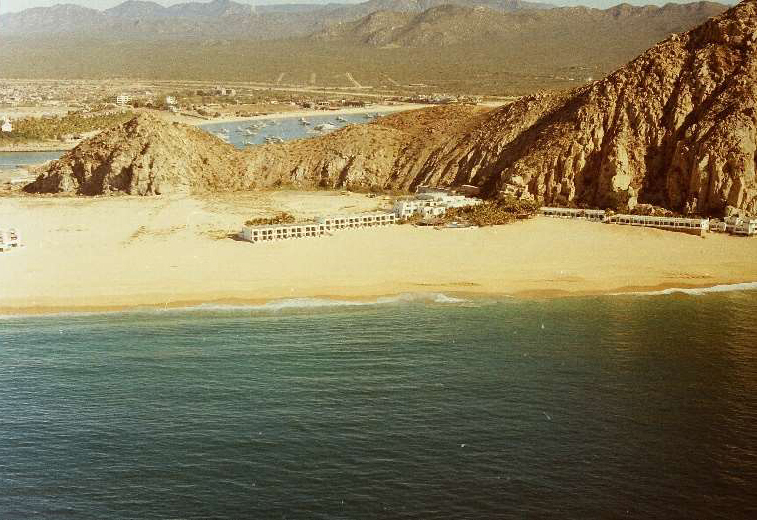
(110, 253)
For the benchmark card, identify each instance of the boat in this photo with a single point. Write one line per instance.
(341, 119)
(304, 121)
(325, 127)
(271, 139)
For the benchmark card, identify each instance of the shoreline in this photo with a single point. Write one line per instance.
(115, 253)
(386, 109)
(39, 147)
(43, 146)
(303, 301)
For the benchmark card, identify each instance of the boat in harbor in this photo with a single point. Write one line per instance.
(325, 127)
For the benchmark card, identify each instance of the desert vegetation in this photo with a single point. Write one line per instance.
(280, 218)
(493, 213)
(72, 125)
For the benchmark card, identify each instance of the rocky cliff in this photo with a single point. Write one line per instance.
(676, 127)
(144, 156)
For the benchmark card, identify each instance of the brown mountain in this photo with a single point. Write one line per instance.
(675, 127)
(145, 20)
(456, 49)
(620, 26)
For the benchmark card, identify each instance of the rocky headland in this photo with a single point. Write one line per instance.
(676, 127)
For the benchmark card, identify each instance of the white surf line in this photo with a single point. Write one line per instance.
(695, 291)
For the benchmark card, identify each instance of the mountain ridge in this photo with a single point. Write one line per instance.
(675, 127)
(220, 18)
(450, 24)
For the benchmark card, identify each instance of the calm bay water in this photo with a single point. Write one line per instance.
(13, 159)
(613, 407)
(238, 135)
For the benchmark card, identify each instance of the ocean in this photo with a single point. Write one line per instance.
(426, 406)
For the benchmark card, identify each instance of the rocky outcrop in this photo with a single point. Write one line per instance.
(676, 127)
(144, 156)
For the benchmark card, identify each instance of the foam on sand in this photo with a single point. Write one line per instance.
(696, 291)
(316, 303)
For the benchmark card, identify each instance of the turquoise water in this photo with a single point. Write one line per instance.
(612, 407)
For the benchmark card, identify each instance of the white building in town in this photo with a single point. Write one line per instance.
(6, 127)
(123, 99)
(170, 100)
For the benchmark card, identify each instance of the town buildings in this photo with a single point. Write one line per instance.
(123, 99)
(6, 127)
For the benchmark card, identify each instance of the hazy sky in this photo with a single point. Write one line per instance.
(19, 5)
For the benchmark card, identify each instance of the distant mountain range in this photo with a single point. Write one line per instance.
(474, 46)
(450, 24)
(216, 19)
(675, 127)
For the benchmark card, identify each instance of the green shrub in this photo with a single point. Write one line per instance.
(493, 213)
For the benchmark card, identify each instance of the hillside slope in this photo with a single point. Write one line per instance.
(144, 156)
(145, 20)
(620, 26)
(676, 127)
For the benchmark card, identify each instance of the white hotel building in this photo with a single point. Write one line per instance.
(431, 202)
(324, 225)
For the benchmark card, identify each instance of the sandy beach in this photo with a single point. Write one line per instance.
(86, 254)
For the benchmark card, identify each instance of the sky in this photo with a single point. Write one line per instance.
(19, 5)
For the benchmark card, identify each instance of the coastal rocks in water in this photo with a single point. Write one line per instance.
(676, 127)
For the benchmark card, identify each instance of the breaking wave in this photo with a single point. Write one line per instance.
(314, 303)
(696, 291)
(286, 304)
